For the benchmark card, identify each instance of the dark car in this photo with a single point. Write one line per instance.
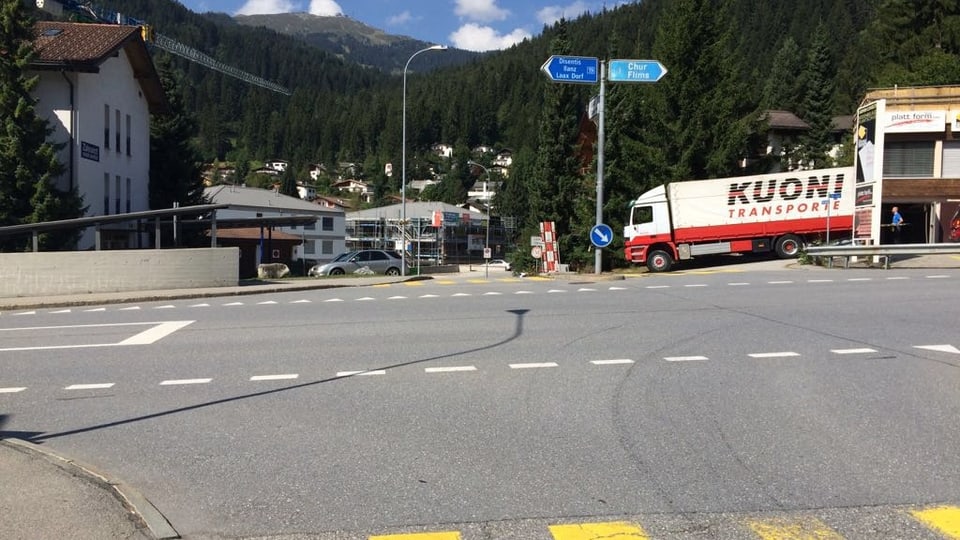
(374, 261)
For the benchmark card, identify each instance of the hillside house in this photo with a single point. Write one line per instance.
(97, 87)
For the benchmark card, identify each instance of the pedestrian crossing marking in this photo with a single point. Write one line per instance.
(944, 519)
(447, 535)
(782, 529)
(615, 530)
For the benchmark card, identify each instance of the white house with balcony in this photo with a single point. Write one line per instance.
(97, 87)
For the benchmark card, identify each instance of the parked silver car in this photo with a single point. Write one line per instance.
(376, 261)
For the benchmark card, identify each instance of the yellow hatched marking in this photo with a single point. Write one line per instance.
(783, 529)
(944, 519)
(614, 530)
(445, 282)
(447, 535)
(413, 283)
(475, 280)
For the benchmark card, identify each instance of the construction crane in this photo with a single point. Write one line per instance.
(58, 7)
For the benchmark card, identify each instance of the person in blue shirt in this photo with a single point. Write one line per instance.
(896, 223)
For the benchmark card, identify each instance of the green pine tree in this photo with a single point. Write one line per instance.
(29, 167)
(818, 102)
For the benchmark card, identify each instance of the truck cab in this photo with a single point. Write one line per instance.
(648, 230)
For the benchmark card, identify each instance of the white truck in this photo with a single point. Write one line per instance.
(748, 214)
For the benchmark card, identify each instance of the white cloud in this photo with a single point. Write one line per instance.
(473, 37)
(265, 7)
(481, 10)
(325, 8)
(552, 14)
(400, 19)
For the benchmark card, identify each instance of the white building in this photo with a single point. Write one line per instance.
(321, 241)
(97, 87)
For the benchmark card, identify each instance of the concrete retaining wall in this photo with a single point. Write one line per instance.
(82, 272)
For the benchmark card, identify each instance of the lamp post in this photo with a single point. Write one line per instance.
(403, 163)
(486, 199)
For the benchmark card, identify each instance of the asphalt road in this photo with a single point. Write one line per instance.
(689, 403)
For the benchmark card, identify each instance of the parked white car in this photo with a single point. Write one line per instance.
(498, 263)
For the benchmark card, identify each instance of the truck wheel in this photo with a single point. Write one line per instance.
(788, 246)
(659, 261)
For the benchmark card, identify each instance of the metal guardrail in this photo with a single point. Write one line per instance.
(883, 250)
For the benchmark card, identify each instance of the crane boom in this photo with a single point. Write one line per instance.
(99, 14)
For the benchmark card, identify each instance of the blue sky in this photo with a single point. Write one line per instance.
(476, 25)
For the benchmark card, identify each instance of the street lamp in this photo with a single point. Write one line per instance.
(486, 199)
(403, 163)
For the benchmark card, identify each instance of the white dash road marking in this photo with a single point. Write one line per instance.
(334, 300)
(61, 311)
(783, 354)
(783, 282)
(176, 382)
(361, 373)
(300, 302)
(283, 377)
(657, 287)
(449, 369)
(460, 294)
(131, 308)
(556, 291)
(534, 365)
(524, 292)
(95, 386)
(586, 289)
(863, 350)
(617, 288)
(94, 310)
(612, 362)
(397, 298)
(167, 306)
(860, 279)
(365, 299)
(201, 305)
(696, 285)
(738, 284)
(941, 276)
(897, 278)
(266, 303)
(819, 281)
(156, 333)
(492, 293)
(685, 358)
(429, 296)
(26, 313)
(12, 390)
(938, 348)
(231, 304)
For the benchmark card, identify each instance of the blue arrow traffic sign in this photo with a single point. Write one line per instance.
(601, 235)
(571, 69)
(644, 71)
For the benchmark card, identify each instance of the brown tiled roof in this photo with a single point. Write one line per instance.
(83, 47)
(785, 121)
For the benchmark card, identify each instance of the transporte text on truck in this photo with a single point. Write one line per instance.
(778, 212)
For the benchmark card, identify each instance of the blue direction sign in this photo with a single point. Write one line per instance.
(571, 69)
(601, 235)
(645, 71)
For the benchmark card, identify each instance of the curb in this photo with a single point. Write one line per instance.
(131, 499)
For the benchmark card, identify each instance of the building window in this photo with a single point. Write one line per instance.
(106, 194)
(128, 134)
(912, 159)
(117, 134)
(309, 248)
(327, 224)
(116, 196)
(129, 186)
(326, 247)
(106, 127)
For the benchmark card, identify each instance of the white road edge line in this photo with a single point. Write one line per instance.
(533, 365)
(283, 377)
(449, 369)
(783, 354)
(95, 386)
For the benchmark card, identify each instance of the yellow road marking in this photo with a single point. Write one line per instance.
(945, 519)
(615, 530)
(447, 535)
(783, 529)
(413, 283)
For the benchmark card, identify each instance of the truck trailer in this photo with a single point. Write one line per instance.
(746, 214)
